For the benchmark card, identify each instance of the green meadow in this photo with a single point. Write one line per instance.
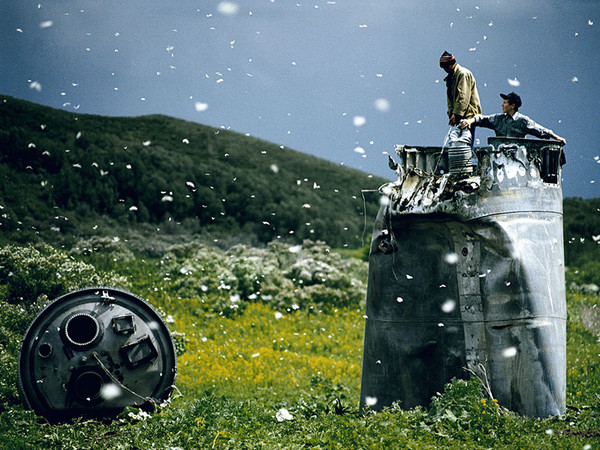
(255, 256)
(269, 343)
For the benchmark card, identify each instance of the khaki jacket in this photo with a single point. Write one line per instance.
(463, 98)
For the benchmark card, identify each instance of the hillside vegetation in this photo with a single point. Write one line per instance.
(582, 240)
(66, 176)
(64, 171)
(255, 258)
(269, 345)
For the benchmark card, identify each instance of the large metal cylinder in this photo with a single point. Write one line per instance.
(468, 273)
(93, 352)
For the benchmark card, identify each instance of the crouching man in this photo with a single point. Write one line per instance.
(511, 123)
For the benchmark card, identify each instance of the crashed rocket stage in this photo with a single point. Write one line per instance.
(93, 352)
(466, 274)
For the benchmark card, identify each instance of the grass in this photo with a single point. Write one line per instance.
(287, 375)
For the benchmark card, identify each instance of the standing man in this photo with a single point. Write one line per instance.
(463, 103)
(511, 123)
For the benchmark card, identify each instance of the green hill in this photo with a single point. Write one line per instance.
(83, 173)
(66, 176)
(259, 331)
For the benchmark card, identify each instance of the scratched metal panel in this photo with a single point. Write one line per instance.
(469, 272)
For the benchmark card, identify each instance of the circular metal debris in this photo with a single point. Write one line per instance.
(94, 351)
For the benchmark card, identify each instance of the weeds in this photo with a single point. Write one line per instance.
(273, 373)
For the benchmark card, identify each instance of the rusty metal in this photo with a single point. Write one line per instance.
(467, 272)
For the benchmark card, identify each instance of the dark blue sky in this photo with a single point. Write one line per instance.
(345, 80)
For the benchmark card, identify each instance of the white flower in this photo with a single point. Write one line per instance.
(283, 414)
(141, 415)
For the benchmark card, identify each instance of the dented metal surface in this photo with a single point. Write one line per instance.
(94, 351)
(468, 272)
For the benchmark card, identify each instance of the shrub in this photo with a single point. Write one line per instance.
(286, 276)
(28, 273)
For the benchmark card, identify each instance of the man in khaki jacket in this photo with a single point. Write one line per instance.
(463, 103)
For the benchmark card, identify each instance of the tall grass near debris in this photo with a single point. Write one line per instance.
(269, 352)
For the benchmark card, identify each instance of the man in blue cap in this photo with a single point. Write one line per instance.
(511, 123)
